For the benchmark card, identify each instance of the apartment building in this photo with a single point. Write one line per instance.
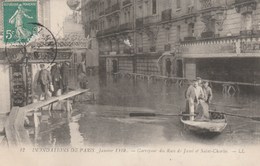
(213, 39)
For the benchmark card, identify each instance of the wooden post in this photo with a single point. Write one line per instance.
(14, 128)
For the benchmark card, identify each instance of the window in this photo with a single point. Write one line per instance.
(154, 10)
(247, 21)
(178, 4)
(178, 35)
(191, 30)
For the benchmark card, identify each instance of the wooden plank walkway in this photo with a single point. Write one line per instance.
(40, 104)
(15, 132)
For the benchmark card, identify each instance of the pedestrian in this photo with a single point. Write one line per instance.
(65, 76)
(45, 81)
(56, 78)
(208, 95)
(82, 77)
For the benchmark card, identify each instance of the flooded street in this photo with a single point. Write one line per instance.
(107, 121)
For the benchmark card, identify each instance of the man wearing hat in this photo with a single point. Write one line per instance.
(45, 81)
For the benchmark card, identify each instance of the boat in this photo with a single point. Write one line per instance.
(216, 124)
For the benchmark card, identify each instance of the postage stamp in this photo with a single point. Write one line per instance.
(17, 19)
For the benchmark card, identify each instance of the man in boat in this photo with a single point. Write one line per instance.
(207, 92)
(191, 98)
(204, 101)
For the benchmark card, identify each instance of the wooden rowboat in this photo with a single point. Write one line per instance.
(216, 124)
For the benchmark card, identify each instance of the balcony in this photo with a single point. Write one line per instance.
(244, 6)
(249, 33)
(151, 19)
(167, 47)
(128, 51)
(167, 15)
(100, 33)
(113, 8)
(207, 4)
(107, 31)
(93, 21)
(111, 30)
(125, 27)
(126, 2)
(139, 23)
(208, 34)
(189, 38)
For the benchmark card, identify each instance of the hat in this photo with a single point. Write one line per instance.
(198, 78)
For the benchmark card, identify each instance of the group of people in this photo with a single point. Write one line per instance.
(198, 97)
(55, 80)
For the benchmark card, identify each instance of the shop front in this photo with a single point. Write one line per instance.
(234, 60)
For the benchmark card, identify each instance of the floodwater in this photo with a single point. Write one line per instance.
(106, 122)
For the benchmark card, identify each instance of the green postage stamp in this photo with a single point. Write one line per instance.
(18, 19)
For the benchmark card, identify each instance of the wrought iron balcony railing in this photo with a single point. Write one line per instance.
(128, 51)
(208, 34)
(207, 4)
(250, 33)
(247, 5)
(125, 26)
(151, 19)
(190, 38)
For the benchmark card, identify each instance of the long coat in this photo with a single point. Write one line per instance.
(44, 77)
(65, 74)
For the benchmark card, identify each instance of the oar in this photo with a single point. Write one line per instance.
(233, 106)
(147, 114)
(240, 116)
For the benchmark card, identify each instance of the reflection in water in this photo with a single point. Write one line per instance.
(76, 138)
(106, 123)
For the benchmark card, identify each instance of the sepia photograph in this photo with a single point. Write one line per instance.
(130, 82)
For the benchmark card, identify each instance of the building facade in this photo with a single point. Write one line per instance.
(213, 39)
(12, 91)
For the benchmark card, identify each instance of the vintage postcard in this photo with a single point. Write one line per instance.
(130, 82)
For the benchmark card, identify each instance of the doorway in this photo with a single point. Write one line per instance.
(115, 66)
(179, 68)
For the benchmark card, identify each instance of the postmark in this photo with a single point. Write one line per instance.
(22, 52)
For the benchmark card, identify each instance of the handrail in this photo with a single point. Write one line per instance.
(183, 78)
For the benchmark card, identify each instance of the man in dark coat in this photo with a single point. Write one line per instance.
(65, 76)
(44, 80)
(56, 78)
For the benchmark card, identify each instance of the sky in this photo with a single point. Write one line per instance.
(59, 10)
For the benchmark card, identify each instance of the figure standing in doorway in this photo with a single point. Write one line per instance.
(65, 76)
(56, 78)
